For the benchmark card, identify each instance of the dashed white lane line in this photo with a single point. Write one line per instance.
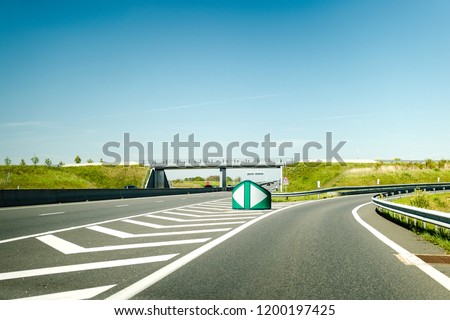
(158, 226)
(81, 294)
(126, 235)
(68, 247)
(159, 201)
(402, 252)
(51, 213)
(83, 267)
(122, 205)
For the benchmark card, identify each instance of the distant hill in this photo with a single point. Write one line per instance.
(302, 177)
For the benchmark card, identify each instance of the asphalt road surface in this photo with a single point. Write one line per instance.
(196, 247)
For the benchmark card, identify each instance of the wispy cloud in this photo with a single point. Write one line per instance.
(22, 124)
(340, 117)
(187, 106)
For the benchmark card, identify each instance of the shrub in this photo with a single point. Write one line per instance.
(420, 199)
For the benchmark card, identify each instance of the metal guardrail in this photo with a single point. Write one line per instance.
(367, 189)
(429, 216)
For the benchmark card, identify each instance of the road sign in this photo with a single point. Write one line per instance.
(285, 181)
(249, 195)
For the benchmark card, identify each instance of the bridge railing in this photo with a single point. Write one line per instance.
(221, 162)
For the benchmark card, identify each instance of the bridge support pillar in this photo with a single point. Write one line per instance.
(223, 178)
(157, 180)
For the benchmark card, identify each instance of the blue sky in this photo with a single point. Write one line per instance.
(77, 74)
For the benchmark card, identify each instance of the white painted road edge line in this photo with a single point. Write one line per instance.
(81, 294)
(438, 276)
(153, 278)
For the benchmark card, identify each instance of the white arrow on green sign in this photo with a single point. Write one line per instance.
(249, 195)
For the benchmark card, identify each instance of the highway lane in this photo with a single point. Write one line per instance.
(96, 260)
(312, 251)
(192, 247)
(28, 220)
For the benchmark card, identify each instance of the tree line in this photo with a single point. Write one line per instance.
(48, 162)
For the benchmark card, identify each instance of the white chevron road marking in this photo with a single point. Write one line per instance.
(67, 247)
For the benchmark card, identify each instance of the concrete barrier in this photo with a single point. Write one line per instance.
(10, 198)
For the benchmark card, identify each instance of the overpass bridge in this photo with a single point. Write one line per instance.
(158, 178)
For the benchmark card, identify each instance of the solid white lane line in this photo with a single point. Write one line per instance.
(68, 247)
(158, 226)
(153, 278)
(51, 213)
(126, 235)
(196, 220)
(83, 267)
(403, 253)
(81, 294)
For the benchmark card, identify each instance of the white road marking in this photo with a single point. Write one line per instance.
(159, 201)
(252, 215)
(90, 224)
(153, 278)
(402, 252)
(126, 235)
(81, 294)
(158, 226)
(83, 267)
(196, 220)
(195, 210)
(212, 207)
(122, 205)
(68, 247)
(51, 213)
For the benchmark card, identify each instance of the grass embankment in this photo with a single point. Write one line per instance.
(192, 184)
(44, 177)
(426, 200)
(302, 177)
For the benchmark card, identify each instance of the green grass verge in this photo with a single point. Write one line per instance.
(301, 177)
(43, 177)
(428, 232)
(427, 200)
(302, 198)
(192, 184)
